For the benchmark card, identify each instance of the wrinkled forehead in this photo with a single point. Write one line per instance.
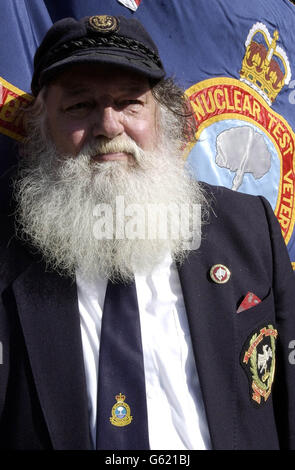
(81, 77)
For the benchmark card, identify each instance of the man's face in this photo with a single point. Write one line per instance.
(103, 115)
(89, 102)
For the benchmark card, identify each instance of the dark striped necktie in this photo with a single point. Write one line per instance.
(121, 397)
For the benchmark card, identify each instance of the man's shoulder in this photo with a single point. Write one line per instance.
(236, 216)
(221, 193)
(228, 203)
(14, 256)
(6, 190)
(7, 229)
(6, 208)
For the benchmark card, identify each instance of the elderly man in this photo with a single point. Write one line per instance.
(120, 329)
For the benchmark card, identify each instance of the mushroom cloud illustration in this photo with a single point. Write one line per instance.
(242, 150)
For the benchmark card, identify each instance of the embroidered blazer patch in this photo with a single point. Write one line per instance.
(258, 360)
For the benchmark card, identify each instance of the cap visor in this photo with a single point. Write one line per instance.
(136, 63)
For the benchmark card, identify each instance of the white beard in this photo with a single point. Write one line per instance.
(56, 196)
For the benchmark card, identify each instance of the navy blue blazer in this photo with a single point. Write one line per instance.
(43, 399)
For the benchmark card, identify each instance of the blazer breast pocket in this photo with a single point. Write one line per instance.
(263, 312)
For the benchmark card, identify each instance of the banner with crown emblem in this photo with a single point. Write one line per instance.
(247, 145)
(234, 59)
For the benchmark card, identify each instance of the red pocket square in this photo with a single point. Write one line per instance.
(249, 301)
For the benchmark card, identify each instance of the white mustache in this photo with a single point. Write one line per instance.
(115, 145)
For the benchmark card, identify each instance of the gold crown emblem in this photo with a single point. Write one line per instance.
(265, 65)
(120, 398)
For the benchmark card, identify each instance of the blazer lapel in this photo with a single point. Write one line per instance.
(212, 336)
(48, 310)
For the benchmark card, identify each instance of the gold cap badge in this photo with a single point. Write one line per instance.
(104, 23)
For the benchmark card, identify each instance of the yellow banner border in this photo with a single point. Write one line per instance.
(19, 93)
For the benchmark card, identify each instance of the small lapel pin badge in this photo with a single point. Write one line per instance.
(220, 274)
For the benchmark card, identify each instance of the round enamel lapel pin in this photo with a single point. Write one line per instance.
(220, 274)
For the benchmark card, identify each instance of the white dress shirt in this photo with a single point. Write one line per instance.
(176, 415)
